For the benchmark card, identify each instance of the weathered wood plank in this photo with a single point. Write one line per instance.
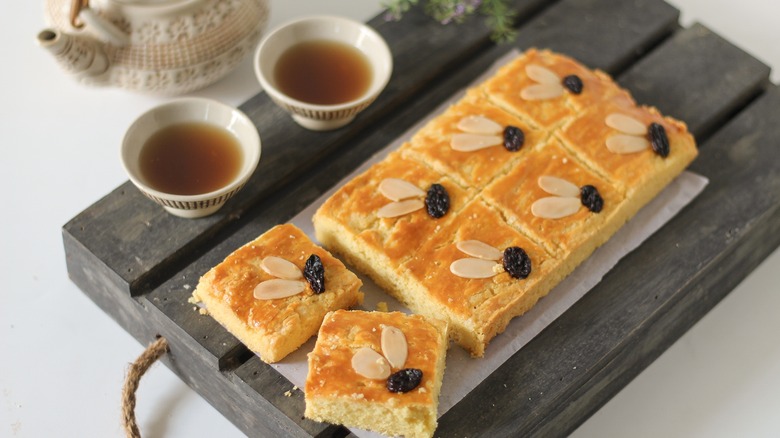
(604, 35)
(255, 377)
(623, 324)
(140, 241)
(690, 76)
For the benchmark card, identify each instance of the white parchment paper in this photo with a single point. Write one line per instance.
(464, 373)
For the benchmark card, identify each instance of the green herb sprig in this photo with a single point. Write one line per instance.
(499, 16)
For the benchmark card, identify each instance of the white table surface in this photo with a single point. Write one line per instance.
(63, 360)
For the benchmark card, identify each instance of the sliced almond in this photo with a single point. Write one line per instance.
(542, 91)
(478, 125)
(626, 124)
(278, 288)
(370, 364)
(474, 142)
(555, 207)
(558, 186)
(626, 144)
(480, 250)
(395, 209)
(281, 268)
(397, 189)
(394, 346)
(541, 74)
(473, 268)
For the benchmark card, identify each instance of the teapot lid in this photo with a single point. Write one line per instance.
(147, 8)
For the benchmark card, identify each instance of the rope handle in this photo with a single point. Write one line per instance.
(154, 351)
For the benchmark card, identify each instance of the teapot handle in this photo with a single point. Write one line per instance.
(81, 14)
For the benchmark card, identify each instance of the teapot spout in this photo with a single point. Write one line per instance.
(81, 55)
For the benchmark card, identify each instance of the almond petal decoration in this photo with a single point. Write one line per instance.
(370, 364)
(278, 288)
(626, 124)
(473, 142)
(473, 268)
(394, 346)
(480, 250)
(395, 209)
(558, 186)
(555, 207)
(479, 125)
(397, 189)
(626, 144)
(542, 91)
(281, 268)
(541, 74)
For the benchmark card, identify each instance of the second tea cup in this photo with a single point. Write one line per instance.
(330, 29)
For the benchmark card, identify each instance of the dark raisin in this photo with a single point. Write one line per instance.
(516, 262)
(573, 83)
(437, 201)
(591, 198)
(659, 139)
(405, 380)
(314, 273)
(513, 138)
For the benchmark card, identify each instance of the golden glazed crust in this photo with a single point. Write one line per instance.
(565, 138)
(474, 169)
(274, 328)
(586, 137)
(354, 207)
(337, 394)
(514, 194)
(478, 309)
(505, 87)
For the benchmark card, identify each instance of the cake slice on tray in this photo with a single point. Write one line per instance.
(473, 141)
(376, 221)
(377, 371)
(273, 293)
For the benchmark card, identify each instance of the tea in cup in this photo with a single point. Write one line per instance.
(191, 155)
(323, 70)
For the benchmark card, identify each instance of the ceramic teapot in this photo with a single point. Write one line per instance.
(155, 46)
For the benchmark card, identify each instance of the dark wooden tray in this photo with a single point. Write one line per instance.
(139, 264)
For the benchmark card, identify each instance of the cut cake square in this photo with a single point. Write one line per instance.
(515, 193)
(348, 224)
(641, 174)
(505, 88)
(273, 328)
(472, 169)
(336, 393)
(477, 308)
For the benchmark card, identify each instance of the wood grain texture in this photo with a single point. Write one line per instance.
(692, 74)
(126, 246)
(604, 35)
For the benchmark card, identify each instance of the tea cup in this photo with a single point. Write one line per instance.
(323, 117)
(187, 111)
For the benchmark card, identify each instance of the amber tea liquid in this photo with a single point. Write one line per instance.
(190, 159)
(323, 72)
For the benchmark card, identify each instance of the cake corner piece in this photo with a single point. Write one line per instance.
(340, 390)
(244, 297)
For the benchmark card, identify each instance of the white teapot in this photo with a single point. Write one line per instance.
(155, 46)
